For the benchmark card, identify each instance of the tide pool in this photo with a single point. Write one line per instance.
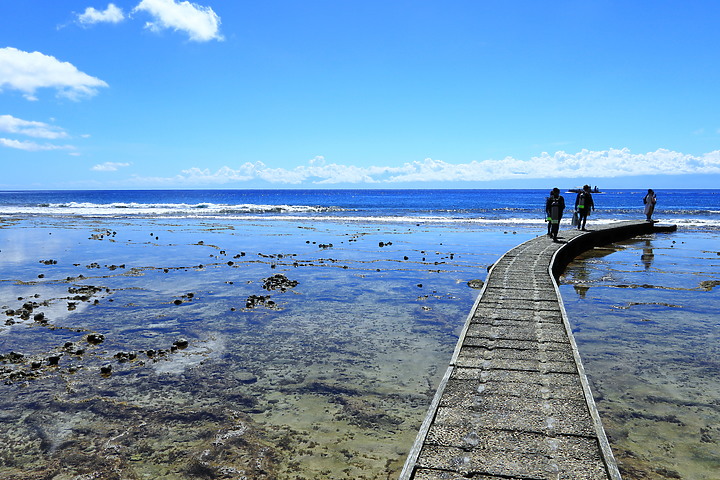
(645, 314)
(188, 348)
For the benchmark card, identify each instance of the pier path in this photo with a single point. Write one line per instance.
(515, 403)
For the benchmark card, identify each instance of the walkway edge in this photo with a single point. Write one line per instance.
(406, 473)
(606, 450)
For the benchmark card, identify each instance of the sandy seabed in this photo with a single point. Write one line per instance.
(173, 349)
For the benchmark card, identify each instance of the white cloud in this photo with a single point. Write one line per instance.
(91, 16)
(597, 164)
(109, 166)
(32, 146)
(318, 161)
(26, 71)
(315, 172)
(602, 164)
(10, 124)
(202, 24)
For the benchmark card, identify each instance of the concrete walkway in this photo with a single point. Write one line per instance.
(515, 403)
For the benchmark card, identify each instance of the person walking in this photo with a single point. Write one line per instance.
(554, 206)
(650, 200)
(583, 204)
(547, 212)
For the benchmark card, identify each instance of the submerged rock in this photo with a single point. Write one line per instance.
(13, 357)
(245, 377)
(708, 285)
(475, 283)
(95, 338)
(125, 356)
(53, 359)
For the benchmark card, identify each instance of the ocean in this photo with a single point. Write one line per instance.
(300, 334)
(691, 208)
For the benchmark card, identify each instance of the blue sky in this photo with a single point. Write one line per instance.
(359, 93)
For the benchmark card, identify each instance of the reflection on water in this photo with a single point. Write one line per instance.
(647, 254)
(646, 322)
(175, 349)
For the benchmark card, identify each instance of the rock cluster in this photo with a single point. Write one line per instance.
(255, 300)
(102, 234)
(85, 292)
(187, 296)
(12, 357)
(25, 312)
(279, 282)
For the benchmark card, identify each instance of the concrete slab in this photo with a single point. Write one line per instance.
(524, 417)
(488, 313)
(508, 464)
(463, 392)
(427, 474)
(537, 354)
(511, 343)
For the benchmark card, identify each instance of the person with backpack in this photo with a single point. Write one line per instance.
(583, 204)
(547, 212)
(554, 206)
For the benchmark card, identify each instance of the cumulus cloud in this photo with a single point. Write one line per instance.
(109, 166)
(200, 23)
(583, 164)
(29, 71)
(91, 16)
(32, 146)
(601, 164)
(316, 171)
(29, 128)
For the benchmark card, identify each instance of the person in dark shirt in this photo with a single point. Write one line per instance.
(554, 206)
(583, 204)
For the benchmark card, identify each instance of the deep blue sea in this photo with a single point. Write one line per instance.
(686, 208)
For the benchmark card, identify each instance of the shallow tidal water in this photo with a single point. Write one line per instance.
(180, 348)
(329, 377)
(646, 317)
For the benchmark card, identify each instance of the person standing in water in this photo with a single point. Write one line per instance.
(650, 200)
(554, 206)
(583, 204)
